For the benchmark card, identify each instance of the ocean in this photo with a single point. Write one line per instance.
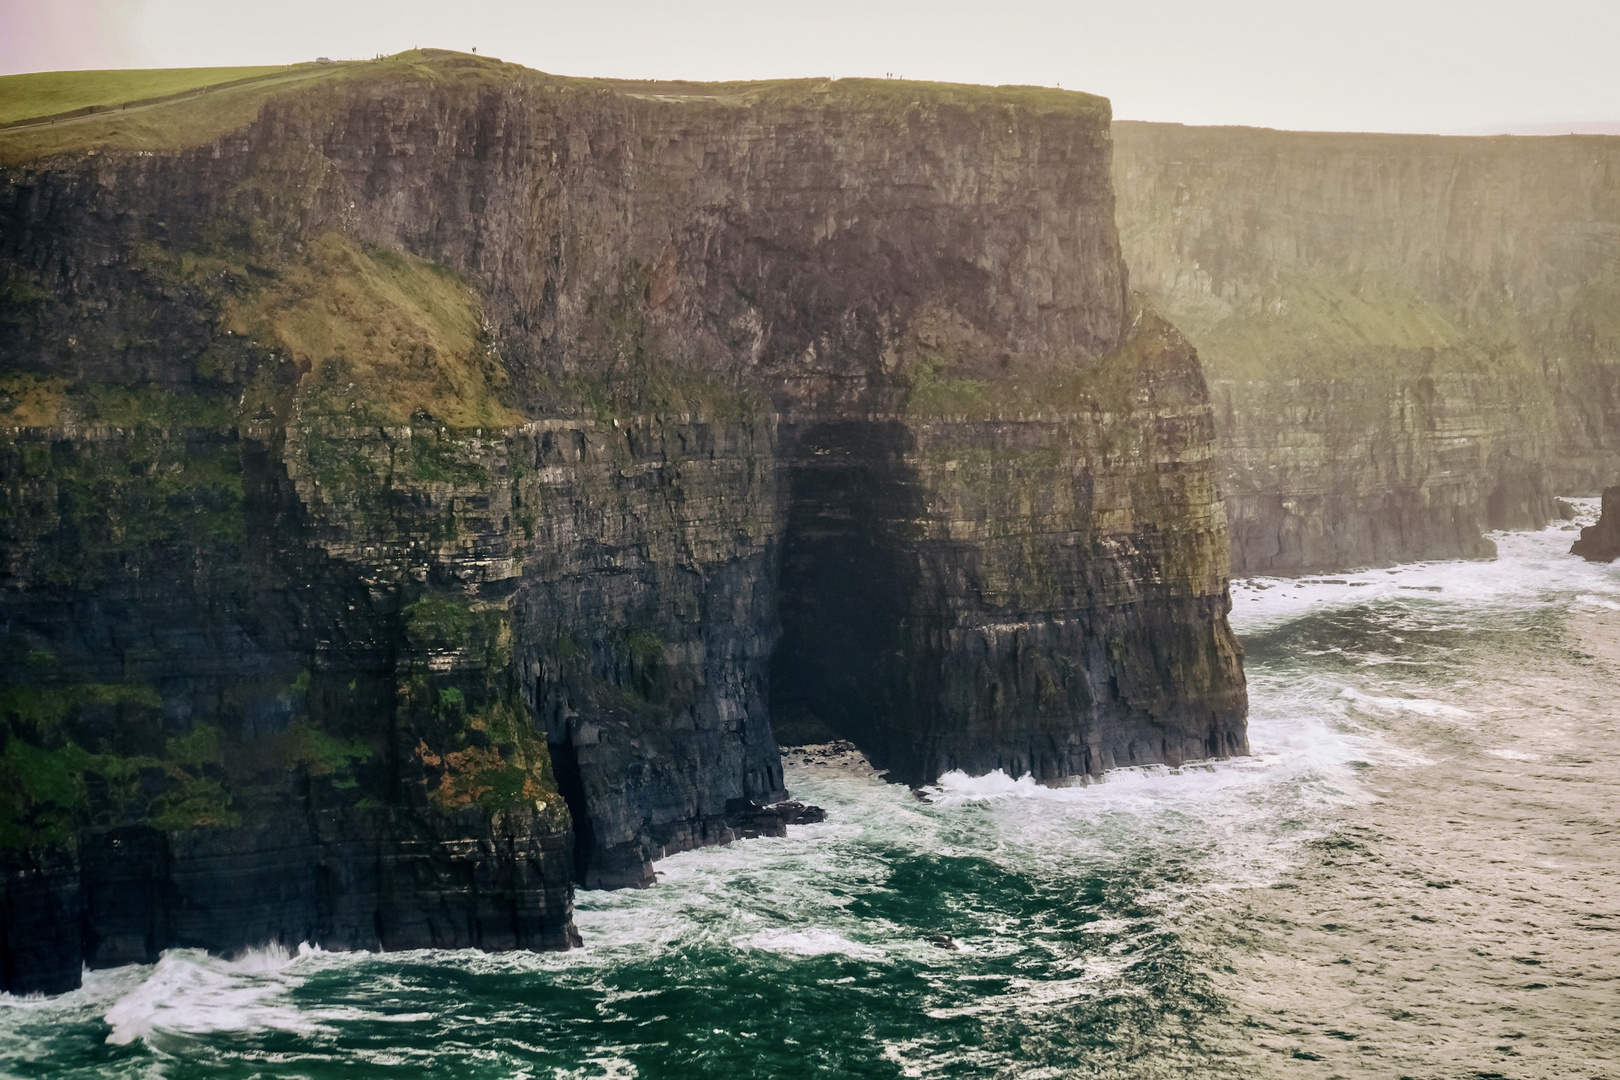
(1417, 873)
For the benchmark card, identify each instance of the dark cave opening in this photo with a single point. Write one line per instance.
(571, 786)
(845, 583)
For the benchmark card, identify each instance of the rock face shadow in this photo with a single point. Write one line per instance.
(846, 584)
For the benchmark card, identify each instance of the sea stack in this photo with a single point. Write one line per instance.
(1601, 542)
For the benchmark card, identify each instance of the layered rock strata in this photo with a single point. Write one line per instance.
(1025, 591)
(422, 490)
(1410, 339)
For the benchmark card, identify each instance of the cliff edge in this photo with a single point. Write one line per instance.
(425, 479)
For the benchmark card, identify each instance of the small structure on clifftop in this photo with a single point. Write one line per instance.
(1601, 542)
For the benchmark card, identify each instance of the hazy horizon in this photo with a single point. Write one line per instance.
(1443, 66)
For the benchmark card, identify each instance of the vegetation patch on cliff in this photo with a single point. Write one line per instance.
(28, 400)
(1342, 325)
(502, 762)
(385, 337)
(476, 741)
(51, 785)
(78, 511)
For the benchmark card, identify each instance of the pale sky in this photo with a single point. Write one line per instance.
(1358, 65)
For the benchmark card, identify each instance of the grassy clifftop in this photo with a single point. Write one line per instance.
(41, 95)
(164, 110)
(174, 109)
(77, 111)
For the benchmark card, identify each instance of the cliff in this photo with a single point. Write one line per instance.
(1409, 339)
(425, 480)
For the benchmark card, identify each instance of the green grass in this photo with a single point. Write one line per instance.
(50, 93)
(31, 400)
(174, 124)
(192, 119)
(408, 331)
(1337, 325)
(873, 95)
(386, 337)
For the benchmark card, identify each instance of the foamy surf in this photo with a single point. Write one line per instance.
(1531, 569)
(1427, 707)
(811, 942)
(190, 992)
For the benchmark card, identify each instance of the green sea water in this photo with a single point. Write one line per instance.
(1160, 923)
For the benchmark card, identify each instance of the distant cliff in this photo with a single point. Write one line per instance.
(1410, 339)
(425, 480)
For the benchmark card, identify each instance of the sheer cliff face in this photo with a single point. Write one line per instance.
(424, 496)
(1409, 338)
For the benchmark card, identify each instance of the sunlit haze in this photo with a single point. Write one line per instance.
(1386, 65)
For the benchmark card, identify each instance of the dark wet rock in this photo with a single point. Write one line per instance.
(917, 624)
(41, 923)
(1566, 510)
(1601, 542)
(249, 715)
(751, 820)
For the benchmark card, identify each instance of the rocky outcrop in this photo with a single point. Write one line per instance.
(1410, 339)
(1601, 542)
(421, 498)
(1030, 591)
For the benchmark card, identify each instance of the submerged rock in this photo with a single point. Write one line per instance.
(1601, 542)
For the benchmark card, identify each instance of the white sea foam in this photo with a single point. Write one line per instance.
(1209, 826)
(603, 1067)
(1420, 706)
(811, 942)
(190, 992)
(1532, 569)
